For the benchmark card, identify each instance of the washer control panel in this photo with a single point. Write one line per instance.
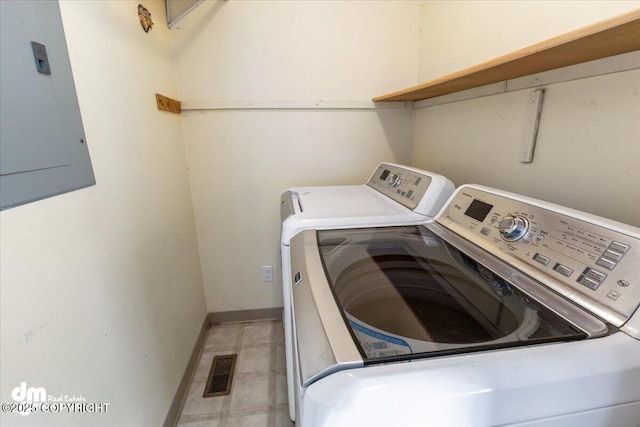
(405, 186)
(590, 260)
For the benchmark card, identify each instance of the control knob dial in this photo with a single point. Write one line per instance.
(513, 227)
(394, 180)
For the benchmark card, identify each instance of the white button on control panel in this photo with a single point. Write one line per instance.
(595, 275)
(589, 283)
(563, 269)
(541, 259)
(614, 256)
(606, 263)
(619, 247)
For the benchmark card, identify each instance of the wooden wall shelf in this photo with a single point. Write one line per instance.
(612, 37)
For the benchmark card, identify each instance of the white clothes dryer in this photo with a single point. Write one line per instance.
(393, 195)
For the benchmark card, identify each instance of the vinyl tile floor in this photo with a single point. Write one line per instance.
(258, 395)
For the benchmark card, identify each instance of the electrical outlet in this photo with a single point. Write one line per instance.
(267, 273)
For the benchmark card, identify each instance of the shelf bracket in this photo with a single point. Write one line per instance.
(533, 123)
(165, 103)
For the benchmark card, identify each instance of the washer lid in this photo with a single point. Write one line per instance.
(404, 292)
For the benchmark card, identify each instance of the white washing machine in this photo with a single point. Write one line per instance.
(502, 310)
(394, 194)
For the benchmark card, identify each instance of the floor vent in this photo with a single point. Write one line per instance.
(220, 376)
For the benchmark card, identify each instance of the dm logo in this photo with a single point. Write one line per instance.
(28, 395)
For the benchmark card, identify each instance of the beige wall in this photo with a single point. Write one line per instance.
(101, 291)
(272, 53)
(589, 136)
(462, 33)
(296, 50)
(586, 156)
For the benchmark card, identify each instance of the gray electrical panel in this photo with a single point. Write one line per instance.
(43, 151)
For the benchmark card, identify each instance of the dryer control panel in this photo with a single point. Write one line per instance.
(591, 260)
(405, 186)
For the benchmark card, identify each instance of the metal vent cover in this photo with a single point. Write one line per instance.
(220, 376)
